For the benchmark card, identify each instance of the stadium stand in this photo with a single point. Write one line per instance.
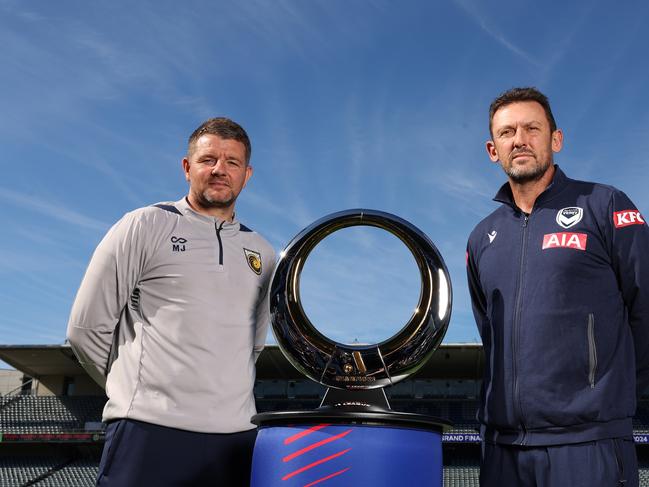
(460, 467)
(36, 414)
(76, 473)
(51, 433)
(59, 465)
(641, 419)
(15, 471)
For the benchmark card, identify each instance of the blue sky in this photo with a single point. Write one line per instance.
(349, 104)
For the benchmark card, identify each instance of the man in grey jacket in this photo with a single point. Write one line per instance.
(170, 317)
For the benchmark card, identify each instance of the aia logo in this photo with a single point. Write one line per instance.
(625, 218)
(567, 240)
(178, 244)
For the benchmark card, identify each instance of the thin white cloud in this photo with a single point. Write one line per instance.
(280, 24)
(468, 189)
(471, 10)
(356, 150)
(353, 291)
(21, 332)
(86, 153)
(267, 205)
(52, 210)
(291, 175)
(9, 8)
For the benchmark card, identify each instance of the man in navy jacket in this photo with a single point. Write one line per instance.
(559, 281)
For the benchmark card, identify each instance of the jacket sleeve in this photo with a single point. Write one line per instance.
(110, 278)
(262, 315)
(478, 300)
(630, 255)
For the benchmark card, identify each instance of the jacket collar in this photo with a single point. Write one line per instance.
(186, 209)
(559, 181)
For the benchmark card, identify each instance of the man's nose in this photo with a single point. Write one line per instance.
(520, 140)
(219, 167)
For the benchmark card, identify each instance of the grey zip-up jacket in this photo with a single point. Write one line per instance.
(171, 315)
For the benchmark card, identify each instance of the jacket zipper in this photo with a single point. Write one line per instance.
(518, 409)
(218, 237)
(592, 351)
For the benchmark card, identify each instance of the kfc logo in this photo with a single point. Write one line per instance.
(568, 240)
(627, 217)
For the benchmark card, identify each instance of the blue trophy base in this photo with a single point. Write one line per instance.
(333, 448)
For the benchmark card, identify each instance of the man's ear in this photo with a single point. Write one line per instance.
(186, 168)
(248, 174)
(557, 140)
(491, 150)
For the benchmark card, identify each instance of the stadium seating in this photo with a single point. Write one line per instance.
(82, 473)
(15, 471)
(643, 467)
(49, 414)
(461, 469)
(31, 414)
(79, 473)
(641, 419)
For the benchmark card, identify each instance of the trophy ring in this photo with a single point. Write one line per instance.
(354, 367)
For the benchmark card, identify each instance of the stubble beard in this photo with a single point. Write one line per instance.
(205, 200)
(527, 174)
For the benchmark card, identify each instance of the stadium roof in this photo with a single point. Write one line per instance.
(40, 360)
(450, 361)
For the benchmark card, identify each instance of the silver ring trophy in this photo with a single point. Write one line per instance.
(354, 436)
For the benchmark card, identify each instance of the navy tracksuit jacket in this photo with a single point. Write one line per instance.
(561, 299)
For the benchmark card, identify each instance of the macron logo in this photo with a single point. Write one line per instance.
(627, 217)
(492, 235)
(567, 240)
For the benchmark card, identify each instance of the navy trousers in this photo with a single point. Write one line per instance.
(143, 454)
(602, 463)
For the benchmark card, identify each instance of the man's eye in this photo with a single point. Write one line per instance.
(506, 133)
(209, 162)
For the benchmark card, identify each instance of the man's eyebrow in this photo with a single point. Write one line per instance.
(230, 156)
(512, 125)
(504, 127)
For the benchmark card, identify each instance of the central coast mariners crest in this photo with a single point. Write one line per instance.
(568, 217)
(254, 260)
